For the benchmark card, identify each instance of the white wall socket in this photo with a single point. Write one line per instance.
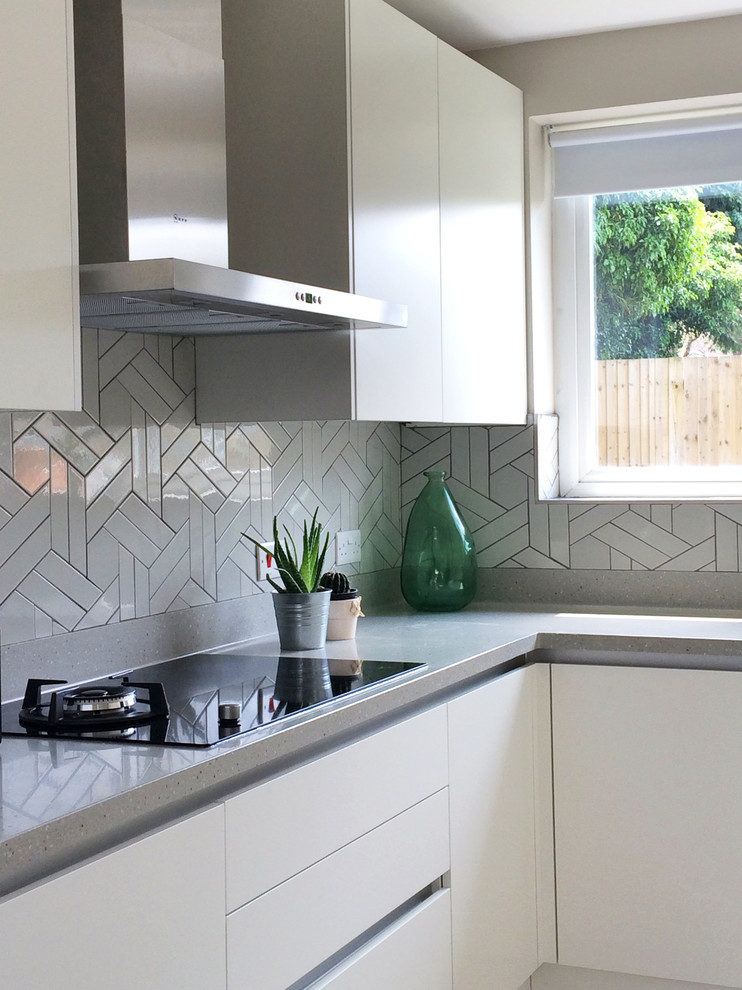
(348, 546)
(262, 565)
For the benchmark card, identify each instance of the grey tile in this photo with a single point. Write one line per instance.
(147, 521)
(103, 561)
(655, 536)
(532, 558)
(201, 485)
(142, 392)
(184, 365)
(115, 409)
(141, 590)
(127, 599)
(559, 548)
(632, 546)
(509, 546)
(76, 510)
(26, 521)
(12, 496)
(158, 378)
(31, 461)
(726, 549)
(68, 580)
(228, 581)
(213, 469)
(17, 619)
(209, 553)
(179, 451)
(168, 559)
(196, 540)
(428, 458)
(693, 522)
(51, 600)
(508, 487)
(88, 430)
(133, 539)
(108, 501)
(192, 594)
(103, 610)
(163, 598)
(59, 506)
(590, 554)
(592, 519)
(178, 421)
(175, 497)
(65, 442)
(108, 467)
(6, 443)
(694, 559)
(113, 361)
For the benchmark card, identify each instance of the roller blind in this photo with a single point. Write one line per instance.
(628, 157)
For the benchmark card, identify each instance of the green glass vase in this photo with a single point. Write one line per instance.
(439, 565)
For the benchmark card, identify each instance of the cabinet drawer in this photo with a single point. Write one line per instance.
(297, 926)
(414, 953)
(283, 826)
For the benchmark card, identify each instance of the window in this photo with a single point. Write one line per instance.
(648, 306)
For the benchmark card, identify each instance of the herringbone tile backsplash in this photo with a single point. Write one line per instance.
(130, 509)
(492, 479)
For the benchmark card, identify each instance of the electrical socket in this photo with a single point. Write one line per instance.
(265, 565)
(348, 546)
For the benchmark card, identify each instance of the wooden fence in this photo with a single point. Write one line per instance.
(670, 411)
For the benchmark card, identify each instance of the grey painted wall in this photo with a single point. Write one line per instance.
(623, 68)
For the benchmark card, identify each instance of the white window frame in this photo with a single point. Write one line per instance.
(575, 387)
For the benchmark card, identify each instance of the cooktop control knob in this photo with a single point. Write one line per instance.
(230, 713)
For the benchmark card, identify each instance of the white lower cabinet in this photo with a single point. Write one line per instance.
(493, 785)
(148, 915)
(414, 954)
(648, 820)
(325, 859)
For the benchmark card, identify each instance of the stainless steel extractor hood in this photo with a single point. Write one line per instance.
(152, 187)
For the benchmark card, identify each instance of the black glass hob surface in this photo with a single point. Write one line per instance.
(199, 700)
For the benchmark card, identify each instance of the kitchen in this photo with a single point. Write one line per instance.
(144, 565)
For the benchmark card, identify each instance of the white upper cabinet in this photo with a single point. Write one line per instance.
(482, 243)
(345, 170)
(395, 215)
(39, 318)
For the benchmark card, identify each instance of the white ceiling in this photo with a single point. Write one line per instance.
(471, 24)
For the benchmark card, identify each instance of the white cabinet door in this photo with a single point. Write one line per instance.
(277, 940)
(396, 240)
(147, 915)
(492, 787)
(39, 317)
(345, 169)
(482, 243)
(414, 954)
(648, 816)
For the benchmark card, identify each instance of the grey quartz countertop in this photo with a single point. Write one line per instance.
(63, 800)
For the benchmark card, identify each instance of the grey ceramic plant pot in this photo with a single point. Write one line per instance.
(302, 619)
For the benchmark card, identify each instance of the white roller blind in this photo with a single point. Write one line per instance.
(628, 157)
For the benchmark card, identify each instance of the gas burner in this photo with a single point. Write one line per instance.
(109, 711)
(99, 698)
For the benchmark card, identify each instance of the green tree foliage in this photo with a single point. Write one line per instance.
(667, 270)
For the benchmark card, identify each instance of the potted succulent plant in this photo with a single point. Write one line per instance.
(345, 605)
(301, 605)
